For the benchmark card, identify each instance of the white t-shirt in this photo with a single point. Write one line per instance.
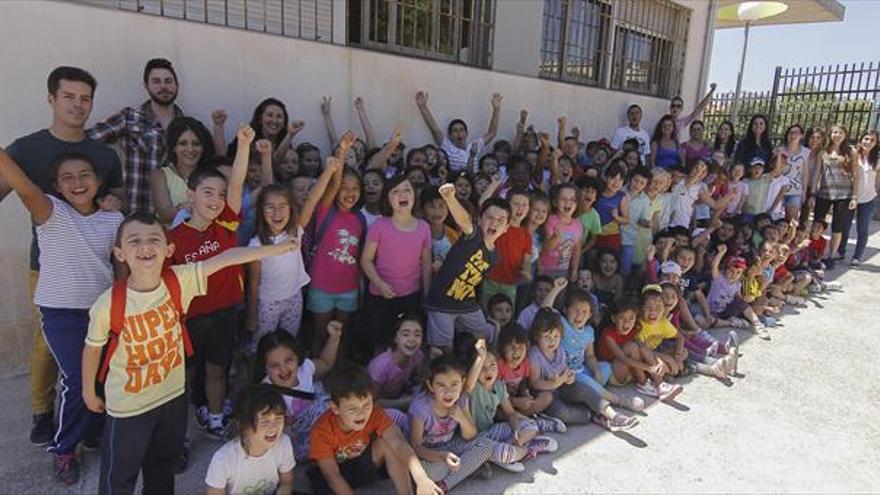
(683, 199)
(867, 183)
(75, 256)
(776, 185)
(794, 171)
(621, 134)
(458, 157)
(282, 276)
(233, 469)
(305, 376)
(369, 217)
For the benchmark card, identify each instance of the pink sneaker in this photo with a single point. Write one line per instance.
(668, 391)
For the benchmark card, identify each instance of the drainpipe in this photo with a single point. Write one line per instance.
(707, 50)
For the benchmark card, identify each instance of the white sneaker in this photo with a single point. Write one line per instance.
(832, 286)
(668, 391)
(647, 388)
(513, 467)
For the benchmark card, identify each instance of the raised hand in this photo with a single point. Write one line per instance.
(325, 104)
(544, 139)
(523, 115)
(561, 121)
(295, 127)
(333, 164)
(480, 347)
(359, 103)
(722, 249)
(560, 283)
(447, 191)
(218, 117)
(263, 146)
(245, 135)
(334, 329)
(421, 98)
(496, 100)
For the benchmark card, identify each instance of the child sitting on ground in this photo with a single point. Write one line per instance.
(660, 337)
(513, 371)
(396, 371)
(725, 298)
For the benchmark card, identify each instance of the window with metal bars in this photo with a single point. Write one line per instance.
(452, 30)
(631, 45)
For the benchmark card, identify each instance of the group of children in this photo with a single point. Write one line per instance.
(414, 316)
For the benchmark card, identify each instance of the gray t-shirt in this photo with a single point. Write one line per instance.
(484, 404)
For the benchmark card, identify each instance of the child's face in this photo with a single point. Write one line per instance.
(269, 428)
(771, 233)
(632, 159)
(502, 313)
(659, 183)
(685, 259)
(653, 309)
(699, 171)
(254, 175)
(767, 252)
(670, 298)
(514, 353)
(614, 183)
(737, 172)
(349, 192)
(519, 207)
(482, 183)
(353, 411)
(754, 270)
(719, 158)
(276, 213)
(458, 135)
(566, 169)
(436, 211)
(682, 240)
(311, 163)
(446, 388)
(490, 166)
(281, 367)
(372, 188)
(579, 313)
(489, 373)
(625, 321)
(733, 273)
(637, 184)
(540, 291)
(209, 198)
(519, 175)
(585, 280)
(417, 177)
(419, 160)
(502, 156)
(494, 223)
(816, 231)
(431, 153)
(463, 189)
(538, 212)
(566, 202)
(726, 231)
(408, 338)
(77, 183)
(289, 166)
(300, 188)
(588, 198)
(756, 171)
(600, 157)
(143, 247)
(607, 265)
(401, 197)
(548, 342)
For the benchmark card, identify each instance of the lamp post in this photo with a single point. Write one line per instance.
(747, 12)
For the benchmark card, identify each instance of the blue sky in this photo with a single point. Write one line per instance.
(797, 45)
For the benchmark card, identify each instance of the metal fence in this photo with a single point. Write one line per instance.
(306, 19)
(848, 94)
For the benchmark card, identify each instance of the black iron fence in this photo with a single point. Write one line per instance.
(848, 94)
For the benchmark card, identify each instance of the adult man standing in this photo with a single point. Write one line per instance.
(71, 91)
(633, 130)
(676, 106)
(142, 131)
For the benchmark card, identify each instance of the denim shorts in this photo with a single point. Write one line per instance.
(324, 302)
(793, 200)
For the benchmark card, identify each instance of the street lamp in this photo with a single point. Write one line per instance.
(747, 12)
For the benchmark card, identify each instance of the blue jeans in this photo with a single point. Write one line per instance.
(65, 332)
(597, 383)
(864, 213)
(626, 258)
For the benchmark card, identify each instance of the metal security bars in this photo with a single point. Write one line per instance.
(848, 94)
(630, 45)
(306, 19)
(458, 31)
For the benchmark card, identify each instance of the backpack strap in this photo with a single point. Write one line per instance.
(320, 231)
(117, 321)
(173, 286)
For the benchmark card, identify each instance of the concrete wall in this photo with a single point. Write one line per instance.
(234, 69)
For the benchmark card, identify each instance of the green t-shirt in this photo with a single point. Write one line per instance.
(484, 404)
(592, 224)
(757, 197)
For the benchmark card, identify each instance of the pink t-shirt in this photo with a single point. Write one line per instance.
(559, 258)
(399, 255)
(391, 379)
(335, 267)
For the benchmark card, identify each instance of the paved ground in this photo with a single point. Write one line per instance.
(803, 418)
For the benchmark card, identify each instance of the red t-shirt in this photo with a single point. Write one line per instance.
(226, 287)
(513, 377)
(328, 441)
(817, 247)
(604, 352)
(512, 247)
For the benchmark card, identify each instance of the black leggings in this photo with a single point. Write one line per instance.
(841, 215)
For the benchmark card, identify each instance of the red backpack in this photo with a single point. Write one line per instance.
(117, 317)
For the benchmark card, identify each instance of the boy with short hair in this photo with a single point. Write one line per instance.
(453, 295)
(145, 379)
(213, 321)
(355, 439)
(541, 288)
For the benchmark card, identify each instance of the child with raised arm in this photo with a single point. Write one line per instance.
(213, 321)
(75, 238)
(455, 142)
(514, 252)
(144, 391)
(725, 295)
(452, 298)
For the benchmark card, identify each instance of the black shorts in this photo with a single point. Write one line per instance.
(213, 336)
(357, 472)
(841, 215)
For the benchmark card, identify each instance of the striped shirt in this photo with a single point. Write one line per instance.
(75, 256)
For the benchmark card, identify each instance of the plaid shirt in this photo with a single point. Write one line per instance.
(143, 143)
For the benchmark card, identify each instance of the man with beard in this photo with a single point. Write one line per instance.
(71, 91)
(142, 132)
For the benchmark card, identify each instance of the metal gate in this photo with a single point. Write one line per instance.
(848, 94)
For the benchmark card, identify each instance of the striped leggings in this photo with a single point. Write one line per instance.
(501, 434)
(473, 454)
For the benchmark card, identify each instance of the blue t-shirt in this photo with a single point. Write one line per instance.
(575, 342)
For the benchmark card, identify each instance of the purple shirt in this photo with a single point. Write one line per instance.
(390, 378)
(438, 431)
(399, 255)
(550, 369)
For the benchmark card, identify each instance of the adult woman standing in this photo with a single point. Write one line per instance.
(725, 139)
(665, 151)
(756, 142)
(190, 144)
(869, 156)
(838, 187)
(796, 156)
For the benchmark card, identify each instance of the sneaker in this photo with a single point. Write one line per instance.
(647, 388)
(182, 461)
(796, 301)
(632, 403)
(719, 368)
(558, 424)
(833, 286)
(66, 469)
(769, 321)
(762, 332)
(541, 444)
(513, 467)
(202, 417)
(619, 422)
(43, 429)
(668, 391)
(855, 262)
(732, 341)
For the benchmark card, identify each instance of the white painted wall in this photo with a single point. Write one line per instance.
(234, 69)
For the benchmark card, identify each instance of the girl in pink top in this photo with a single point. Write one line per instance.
(397, 262)
(560, 254)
